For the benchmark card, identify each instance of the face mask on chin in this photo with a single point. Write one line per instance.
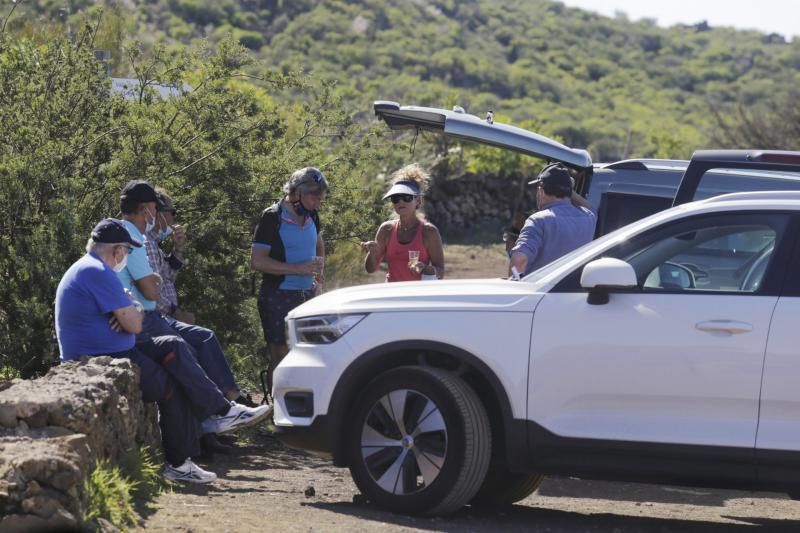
(151, 223)
(119, 267)
(164, 233)
(300, 209)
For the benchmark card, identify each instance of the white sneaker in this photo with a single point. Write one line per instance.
(188, 472)
(238, 416)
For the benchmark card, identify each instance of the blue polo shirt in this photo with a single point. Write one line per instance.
(138, 267)
(86, 296)
(554, 231)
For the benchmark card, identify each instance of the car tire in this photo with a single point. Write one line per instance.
(502, 487)
(437, 466)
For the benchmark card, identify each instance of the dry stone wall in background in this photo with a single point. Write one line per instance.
(479, 200)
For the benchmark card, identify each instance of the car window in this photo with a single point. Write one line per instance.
(729, 253)
(722, 181)
(706, 259)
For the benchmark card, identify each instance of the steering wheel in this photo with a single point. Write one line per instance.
(698, 272)
(752, 279)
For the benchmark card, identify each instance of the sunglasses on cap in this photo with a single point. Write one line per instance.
(315, 175)
(407, 198)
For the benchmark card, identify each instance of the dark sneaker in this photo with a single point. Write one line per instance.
(246, 400)
(210, 444)
(237, 417)
(230, 440)
(188, 472)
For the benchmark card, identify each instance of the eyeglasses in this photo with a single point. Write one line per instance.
(407, 198)
(130, 248)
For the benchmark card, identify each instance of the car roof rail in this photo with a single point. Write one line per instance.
(646, 164)
(753, 195)
(752, 156)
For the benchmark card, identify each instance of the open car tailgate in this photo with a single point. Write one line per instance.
(461, 125)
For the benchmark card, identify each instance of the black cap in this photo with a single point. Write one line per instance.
(138, 192)
(555, 179)
(113, 231)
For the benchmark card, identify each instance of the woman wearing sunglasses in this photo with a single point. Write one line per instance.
(411, 246)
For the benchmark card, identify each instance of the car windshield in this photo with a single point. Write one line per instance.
(551, 272)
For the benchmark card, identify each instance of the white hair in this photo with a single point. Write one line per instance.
(99, 248)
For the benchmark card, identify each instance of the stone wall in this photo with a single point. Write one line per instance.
(53, 429)
(478, 200)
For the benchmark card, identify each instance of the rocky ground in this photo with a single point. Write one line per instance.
(264, 486)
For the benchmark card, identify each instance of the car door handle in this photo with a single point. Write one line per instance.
(724, 326)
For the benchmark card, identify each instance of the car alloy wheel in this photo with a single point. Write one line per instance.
(419, 441)
(404, 442)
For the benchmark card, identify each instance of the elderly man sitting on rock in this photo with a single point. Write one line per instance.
(95, 316)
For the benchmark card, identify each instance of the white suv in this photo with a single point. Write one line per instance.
(666, 352)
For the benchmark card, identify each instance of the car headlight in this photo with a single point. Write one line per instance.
(324, 329)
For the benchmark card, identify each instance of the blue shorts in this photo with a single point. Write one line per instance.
(273, 306)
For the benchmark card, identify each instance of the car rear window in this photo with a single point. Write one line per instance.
(722, 181)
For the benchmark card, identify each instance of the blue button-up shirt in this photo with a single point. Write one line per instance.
(554, 231)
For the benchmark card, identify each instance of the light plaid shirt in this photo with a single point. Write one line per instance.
(159, 262)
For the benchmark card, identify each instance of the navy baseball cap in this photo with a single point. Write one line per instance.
(113, 231)
(554, 178)
(139, 192)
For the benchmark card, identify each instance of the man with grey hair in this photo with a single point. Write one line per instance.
(95, 315)
(288, 250)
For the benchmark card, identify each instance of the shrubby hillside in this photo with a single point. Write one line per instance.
(617, 87)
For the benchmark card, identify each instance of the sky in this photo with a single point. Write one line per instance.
(768, 16)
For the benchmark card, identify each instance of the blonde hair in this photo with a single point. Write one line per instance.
(415, 173)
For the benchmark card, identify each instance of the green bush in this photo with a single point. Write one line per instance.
(223, 150)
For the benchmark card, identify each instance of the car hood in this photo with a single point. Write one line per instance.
(454, 295)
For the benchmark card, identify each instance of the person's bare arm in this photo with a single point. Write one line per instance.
(319, 274)
(519, 261)
(433, 242)
(150, 286)
(260, 261)
(320, 246)
(128, 318)
(376, 249)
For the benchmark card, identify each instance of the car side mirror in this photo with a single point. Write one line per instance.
(603, 275)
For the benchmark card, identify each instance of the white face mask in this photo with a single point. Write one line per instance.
(122, 264)
(164, 233)
(151, 223)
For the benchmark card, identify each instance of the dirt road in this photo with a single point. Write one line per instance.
(264, 486)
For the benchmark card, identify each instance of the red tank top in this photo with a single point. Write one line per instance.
(397, 255)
